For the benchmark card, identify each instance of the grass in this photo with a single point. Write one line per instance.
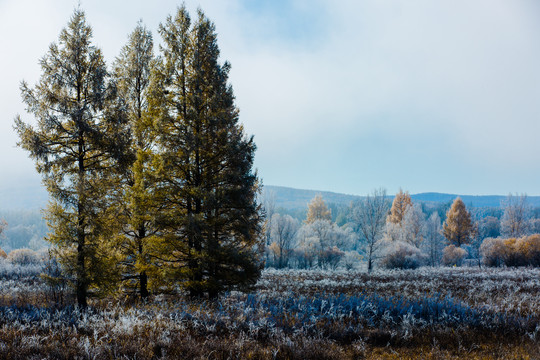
(443, 313)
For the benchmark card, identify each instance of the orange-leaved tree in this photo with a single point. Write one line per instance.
(458, 226)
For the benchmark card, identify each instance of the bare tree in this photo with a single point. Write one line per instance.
(412, 225)
(433, 243)
(369, 216)
(516, 218)
(283, 231)
(268, 210)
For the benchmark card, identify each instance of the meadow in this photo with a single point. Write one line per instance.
(428, 313)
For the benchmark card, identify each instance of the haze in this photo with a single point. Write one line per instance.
(341, 96)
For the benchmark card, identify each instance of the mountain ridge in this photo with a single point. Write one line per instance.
(292, 198)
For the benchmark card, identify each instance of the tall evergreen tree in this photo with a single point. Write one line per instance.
(76, 145)
(458, 226)
(210, 220)
(132, 75)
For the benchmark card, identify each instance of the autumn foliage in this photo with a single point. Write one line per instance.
(458, 225)
(524, 251)
(317, 210)
(401, 203)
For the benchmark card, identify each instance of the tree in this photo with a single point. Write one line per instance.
(489, 226)
(77, 144)
(516, 218)
(433, 243)
(402, 201)
(369, 216)
(269, 209)
(322, 240)
(283, 231)
(458, 224)
(317, 210)
(132, 75)
(412, 225)
(210, 218)
(3, 226)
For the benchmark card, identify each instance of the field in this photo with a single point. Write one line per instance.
(446, 313)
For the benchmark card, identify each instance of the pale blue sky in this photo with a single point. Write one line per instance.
(343, 96)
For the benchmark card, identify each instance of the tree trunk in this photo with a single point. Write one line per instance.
(143, 282)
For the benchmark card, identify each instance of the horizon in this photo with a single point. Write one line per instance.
(341, 97)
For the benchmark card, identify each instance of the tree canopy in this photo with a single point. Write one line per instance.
(458, 225)
(149, 171)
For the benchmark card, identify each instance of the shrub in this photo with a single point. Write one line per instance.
(524, 251)
(453, 255)
(402, 255)
(529, 248)
(23, 257)
(330, 257)
(351, 259)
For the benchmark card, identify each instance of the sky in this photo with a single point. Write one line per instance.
(343, 96)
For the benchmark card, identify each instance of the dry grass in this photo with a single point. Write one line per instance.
(423, 314)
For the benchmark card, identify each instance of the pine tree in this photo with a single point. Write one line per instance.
(77, 144)
(458, 224)
(317, 210)
(210, 220)
(132, 75)
(401, 203)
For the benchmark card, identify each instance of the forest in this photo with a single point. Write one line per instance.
(160, 241)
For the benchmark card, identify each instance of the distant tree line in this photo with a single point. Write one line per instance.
(149, 171)
(22, 229)
(399, 234)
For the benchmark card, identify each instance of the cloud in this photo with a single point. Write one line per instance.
(347, 96)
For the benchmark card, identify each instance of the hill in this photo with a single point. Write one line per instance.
(290, 198)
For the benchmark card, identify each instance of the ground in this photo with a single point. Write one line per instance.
(443, 313)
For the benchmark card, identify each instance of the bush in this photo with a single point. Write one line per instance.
(23, 257)
(330, 257)
(402, 255)
(524, 251)
(453, 255)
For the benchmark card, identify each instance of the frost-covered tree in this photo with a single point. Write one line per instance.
(268, 202)
(283, 232)
(317, 210)
(368, 216)
(3, 226)
(433, 244)
(458, 224)
(322, 242)
(78, 145)
(207, 186)
(516, 218)
(412, 225)
(489, 227)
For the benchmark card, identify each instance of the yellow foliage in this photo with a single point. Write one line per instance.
(317, 210)
(524, 251)
(401, 203)
(458, 225)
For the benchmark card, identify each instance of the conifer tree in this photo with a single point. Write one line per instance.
(132, 75)
(77, 143)
(210, 220)
(458, 225)
(402, 201)
(317, 210)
